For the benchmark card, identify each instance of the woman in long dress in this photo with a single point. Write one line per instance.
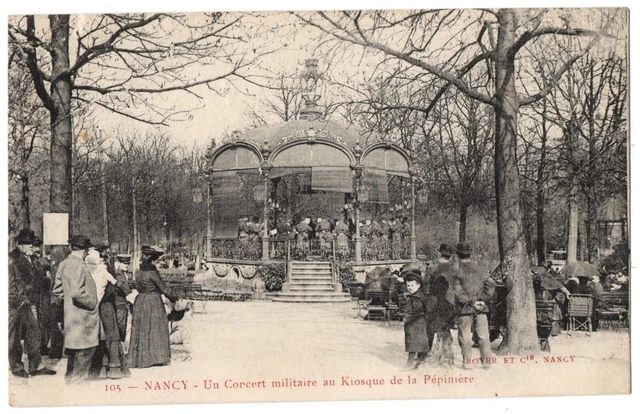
(150, 327)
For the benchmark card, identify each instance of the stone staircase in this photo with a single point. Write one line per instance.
(310, 282)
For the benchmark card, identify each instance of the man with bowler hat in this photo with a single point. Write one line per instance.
(24, 292)
(472, 290)
(81, 318)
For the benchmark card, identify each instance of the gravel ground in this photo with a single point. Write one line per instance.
(261, 351)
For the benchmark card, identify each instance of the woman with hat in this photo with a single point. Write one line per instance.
(416, 341)
(149, 344)
(109, 360)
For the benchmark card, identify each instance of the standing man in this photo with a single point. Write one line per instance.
(472, 290)
(442, 317)
(81, 318)
(42, 267)
(24, 291)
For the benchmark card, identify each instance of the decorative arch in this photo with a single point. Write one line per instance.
(237, 155)
(311, 152)
(390, 157)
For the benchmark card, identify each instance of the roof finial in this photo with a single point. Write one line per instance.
(309, 82)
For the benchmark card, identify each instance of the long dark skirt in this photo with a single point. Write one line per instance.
(149, 332)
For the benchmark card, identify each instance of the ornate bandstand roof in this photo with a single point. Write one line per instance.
(306, 143)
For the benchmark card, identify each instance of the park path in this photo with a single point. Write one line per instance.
(252, 344)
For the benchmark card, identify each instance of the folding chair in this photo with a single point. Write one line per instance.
(580, 311)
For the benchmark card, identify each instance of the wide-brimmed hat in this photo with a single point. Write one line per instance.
(79, 241)
(124, 258)
(26, 236)
(463, 248)
(152, 251)
(445, 249)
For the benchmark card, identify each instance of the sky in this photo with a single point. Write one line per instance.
(227, 117)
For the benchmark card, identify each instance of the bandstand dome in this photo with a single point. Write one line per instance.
(302, 144)
(338, 159)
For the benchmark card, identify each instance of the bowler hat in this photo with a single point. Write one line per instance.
(25, 236)
(445, 250)
(79, 241)
(463, 248)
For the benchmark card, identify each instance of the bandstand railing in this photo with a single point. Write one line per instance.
(384, 249)
(237, 249)
(286, 250)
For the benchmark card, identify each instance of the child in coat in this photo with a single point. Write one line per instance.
(415, 321)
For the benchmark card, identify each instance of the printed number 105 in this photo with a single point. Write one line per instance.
(112, 387)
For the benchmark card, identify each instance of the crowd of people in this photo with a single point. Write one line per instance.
(437, 298)
(79, 303)
(325, 231)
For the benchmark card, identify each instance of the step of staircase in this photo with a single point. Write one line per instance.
(310, 282)
(320, 297)
(312, 288)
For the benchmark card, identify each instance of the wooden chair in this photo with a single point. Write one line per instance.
(579, 312)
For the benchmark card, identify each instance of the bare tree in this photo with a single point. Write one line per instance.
(591, 106)
(447, 44)
(27, 139)
(121, 63)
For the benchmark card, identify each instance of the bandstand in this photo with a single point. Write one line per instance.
(330, 161)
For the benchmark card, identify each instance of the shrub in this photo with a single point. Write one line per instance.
(346, 274)
(618, 261)
(273, 275)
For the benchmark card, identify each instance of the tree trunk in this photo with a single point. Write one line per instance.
(105, 205)
(521, 316)
(462, 229)
(540, 198)
(136, 248)
(25, 208)
(574, 216)
(60, 198)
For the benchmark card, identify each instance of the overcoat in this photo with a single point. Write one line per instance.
(81, 319)
(471, 285)
(415, 323)
(23, 283)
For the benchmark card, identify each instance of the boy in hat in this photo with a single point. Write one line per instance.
(23, 296)
(415, 321)
(472, 291)
(81, 319)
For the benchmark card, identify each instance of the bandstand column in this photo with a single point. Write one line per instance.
(358, 243)
(265, 219)
(209, 247)
(414, 256)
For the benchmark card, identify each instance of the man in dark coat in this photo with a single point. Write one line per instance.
(43, 268)
(472, 290)
(24, 292)
(444, 300)
(81, 318)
